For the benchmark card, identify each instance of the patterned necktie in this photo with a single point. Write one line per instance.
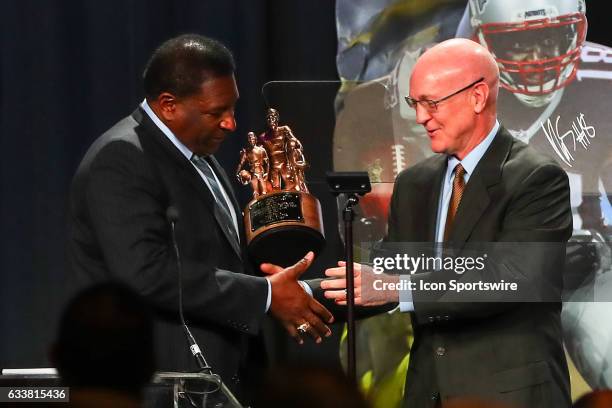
(221, 209)
(458, 187)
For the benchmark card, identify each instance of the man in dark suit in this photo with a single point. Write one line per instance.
(482, 187)
(161, 157)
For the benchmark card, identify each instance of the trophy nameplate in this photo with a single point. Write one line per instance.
(283, 221)
(275, 208)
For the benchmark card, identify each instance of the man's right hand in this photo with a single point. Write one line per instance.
(292, 305)
(366, 294)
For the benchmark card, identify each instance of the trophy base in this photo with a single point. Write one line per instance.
(271, 245)
(282, 227)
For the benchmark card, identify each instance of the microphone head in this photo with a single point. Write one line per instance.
(172, 214)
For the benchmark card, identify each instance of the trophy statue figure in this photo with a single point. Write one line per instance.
(273, 139)
(296, 163)
(259, 165)
(283, 220)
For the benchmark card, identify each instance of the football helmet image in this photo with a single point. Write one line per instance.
(536, 43)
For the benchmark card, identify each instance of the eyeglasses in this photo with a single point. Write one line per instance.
(431, 105)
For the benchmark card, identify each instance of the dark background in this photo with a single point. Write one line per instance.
(71, 69)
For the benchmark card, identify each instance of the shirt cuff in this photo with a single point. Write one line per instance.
(306, 287)
(269, 298)
(405, 296)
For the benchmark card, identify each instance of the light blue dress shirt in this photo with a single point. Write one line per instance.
(469, 163)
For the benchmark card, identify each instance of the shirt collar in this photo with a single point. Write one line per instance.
(166, 131)
(470, 161)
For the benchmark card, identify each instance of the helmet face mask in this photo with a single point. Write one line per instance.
(537, 48)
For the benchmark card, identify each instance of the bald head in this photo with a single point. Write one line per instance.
(463, 114)
(455, 61)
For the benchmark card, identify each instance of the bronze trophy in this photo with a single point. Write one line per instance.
(283, 221)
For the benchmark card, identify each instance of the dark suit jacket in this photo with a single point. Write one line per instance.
(118, 230)
(509, 352)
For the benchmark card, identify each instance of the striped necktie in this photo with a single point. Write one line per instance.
(453, 205)
(221, 207)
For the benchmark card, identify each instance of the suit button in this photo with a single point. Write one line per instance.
(434, 396)
(440, 351)
(431, 318)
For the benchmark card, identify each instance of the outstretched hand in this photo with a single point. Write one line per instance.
(366, 294)
(292, 305)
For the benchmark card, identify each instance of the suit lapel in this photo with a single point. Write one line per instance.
(226, 183)
(230, 192)
(430, 206)
(476, 196)
(474, 202)
(191, 174)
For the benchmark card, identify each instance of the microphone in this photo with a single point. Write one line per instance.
(172, 215)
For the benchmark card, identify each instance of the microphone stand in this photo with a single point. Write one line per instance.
(350, 184)
(172, 216)
(348, 216)
(193, 345)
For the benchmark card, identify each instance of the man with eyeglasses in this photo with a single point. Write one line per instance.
(483, 186)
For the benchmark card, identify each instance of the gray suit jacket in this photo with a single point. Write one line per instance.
(511, 351)
(118, 230)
